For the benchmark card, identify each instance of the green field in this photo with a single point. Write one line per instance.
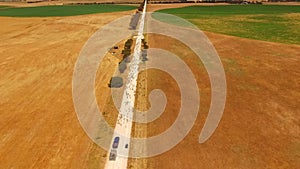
(276, 23)
(62, 10)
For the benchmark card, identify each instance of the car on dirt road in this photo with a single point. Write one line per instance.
(116, 142)
(113, 155)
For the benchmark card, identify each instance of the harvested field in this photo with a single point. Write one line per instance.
(260, 125)
(39, 127)
(156, 7)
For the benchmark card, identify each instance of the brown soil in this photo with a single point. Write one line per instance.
(155, 7)
(39, 127)
(260, 126)
(282, 3)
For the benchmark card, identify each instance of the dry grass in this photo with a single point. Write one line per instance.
(39, 127)
(260, 122)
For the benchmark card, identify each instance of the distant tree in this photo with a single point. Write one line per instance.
(128, 43)
(115, 82)
(126, 52)
(126, 59)
(122, 66)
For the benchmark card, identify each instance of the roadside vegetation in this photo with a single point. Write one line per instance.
(62, 10)
(127, 50)
(115, 82)
(276, 23)
(3, 6)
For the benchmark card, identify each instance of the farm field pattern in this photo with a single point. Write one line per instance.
(259, 47)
